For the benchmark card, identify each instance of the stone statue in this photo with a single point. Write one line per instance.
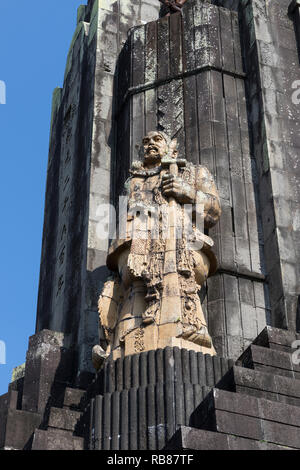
(159, 266)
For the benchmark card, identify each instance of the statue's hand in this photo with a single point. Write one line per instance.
(176, 187)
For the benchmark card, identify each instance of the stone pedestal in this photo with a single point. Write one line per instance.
(142, 399)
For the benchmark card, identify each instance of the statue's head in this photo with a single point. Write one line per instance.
(156, 146)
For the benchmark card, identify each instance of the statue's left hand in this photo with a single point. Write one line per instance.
(174, 186)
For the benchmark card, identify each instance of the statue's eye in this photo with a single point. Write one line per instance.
(146, 141)
(158, 138)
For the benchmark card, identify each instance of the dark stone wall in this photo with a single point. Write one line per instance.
(272, 66)
(66, 210)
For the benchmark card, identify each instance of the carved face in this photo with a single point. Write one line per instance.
(155, 147)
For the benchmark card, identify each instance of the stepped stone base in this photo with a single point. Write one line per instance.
(167, 399)
(43, 398)
(54, 439)
(255, 406)
(196, 439)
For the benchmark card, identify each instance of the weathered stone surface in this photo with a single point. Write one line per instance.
(248, 406)
(271, 361)
(20, 427)
(48, 370)
(195, 439)
(277, 339)
(272, 64)
(163, 366)
(73, 398)
(262, 385)
(63, 419)
(157, 391)
(56, 440)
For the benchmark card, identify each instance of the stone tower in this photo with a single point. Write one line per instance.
(81, 162)
(220, 76)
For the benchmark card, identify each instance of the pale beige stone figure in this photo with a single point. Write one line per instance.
(163, 259)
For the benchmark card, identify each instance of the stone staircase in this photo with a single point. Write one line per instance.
(168, 399)
(65, 429)
(255, 406)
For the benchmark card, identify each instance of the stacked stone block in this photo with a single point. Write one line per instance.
(256, 404)
(65, 429)
(27, 405)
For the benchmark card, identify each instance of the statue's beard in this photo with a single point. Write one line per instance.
(152, 156)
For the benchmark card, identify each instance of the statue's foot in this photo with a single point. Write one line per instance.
(200, 337)
(98, 357)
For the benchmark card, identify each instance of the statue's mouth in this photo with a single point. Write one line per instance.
(153, 150)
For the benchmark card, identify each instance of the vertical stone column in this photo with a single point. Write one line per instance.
(272, 63)
(147, 396)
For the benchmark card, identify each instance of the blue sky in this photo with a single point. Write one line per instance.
(34, 42)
